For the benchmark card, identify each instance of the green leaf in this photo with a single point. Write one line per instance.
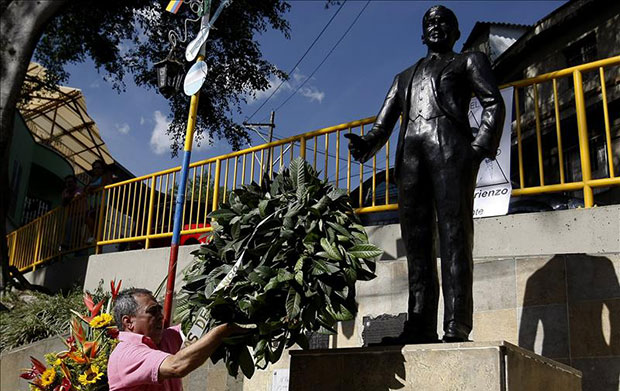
(299, 277)
(272, 284)
(335, 194)
(246, 362)
(331, 251)
(366, 251)
(299, 264)
(341, 313)
(222, 215)
(341, 230)
(301, 180)
(284, 275)
(293, 300)
(262, 207)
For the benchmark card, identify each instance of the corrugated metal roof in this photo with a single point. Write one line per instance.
(58, 118)
(480, 27)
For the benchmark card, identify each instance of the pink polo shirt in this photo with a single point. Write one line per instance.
(134, 363)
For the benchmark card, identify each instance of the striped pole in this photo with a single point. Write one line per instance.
(180, 201)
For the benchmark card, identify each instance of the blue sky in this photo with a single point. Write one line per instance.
(350, 85)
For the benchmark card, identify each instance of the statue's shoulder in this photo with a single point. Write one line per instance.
(409, 70)
(473, 57)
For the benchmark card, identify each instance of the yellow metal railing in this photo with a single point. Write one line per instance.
(549, 111)
(63, 230)
(581, 97)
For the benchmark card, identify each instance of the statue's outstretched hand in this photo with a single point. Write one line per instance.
(357, 146)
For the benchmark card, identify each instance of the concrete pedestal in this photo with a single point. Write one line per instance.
(484, 366)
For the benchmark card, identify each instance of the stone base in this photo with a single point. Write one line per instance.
(484, 366)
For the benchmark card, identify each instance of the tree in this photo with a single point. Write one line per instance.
(68, 32)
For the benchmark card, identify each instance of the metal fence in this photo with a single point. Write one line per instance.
(61, 231)
(554, 115)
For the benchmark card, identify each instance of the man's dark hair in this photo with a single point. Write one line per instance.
(100, 163)
(446, 11)
(126, 304)
(70, 176)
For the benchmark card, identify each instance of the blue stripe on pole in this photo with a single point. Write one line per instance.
(178, 209)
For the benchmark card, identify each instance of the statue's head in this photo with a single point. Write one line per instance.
(440, 29)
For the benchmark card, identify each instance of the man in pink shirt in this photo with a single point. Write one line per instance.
(149, 357)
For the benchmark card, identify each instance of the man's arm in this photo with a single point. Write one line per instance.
(485, 88)
(384, 124)
(193, 356)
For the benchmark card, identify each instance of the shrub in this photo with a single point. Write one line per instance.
(35, 316)
(285, 256)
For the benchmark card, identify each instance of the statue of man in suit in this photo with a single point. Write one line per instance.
(437, 161)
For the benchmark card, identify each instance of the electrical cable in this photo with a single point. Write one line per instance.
(326, 57)
(298, 61)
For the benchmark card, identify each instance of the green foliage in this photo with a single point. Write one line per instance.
(35, 316)
(132, 35)
(285, 256)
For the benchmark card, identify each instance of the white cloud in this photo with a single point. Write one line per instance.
(142, 120)
(160, 142)
(123, 128)
(313, 93)
(298, 77)
(309, 91)
(94, 84)
(274, 82)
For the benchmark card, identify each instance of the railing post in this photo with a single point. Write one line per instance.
(216, 183)
(12, 255)
(99, 234)
(584, 147)
(37, 246)
(149, 219)
(302, 148)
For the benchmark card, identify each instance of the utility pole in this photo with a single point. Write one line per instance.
(271, 126)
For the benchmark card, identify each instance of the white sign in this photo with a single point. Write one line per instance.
(195, 78)
(194, 47)
(493, 188)
(280, 380)
(198, 328)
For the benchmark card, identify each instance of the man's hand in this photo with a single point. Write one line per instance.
(479, 153)
(357, 146)
(193, 356)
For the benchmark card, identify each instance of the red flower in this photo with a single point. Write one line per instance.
(113, 332)
(115, 289)
(90, 348)
(29, 374)
(92, 307)
(78, 330)
(70, 341)
(65, 385)
(37, 369)
(38, 365)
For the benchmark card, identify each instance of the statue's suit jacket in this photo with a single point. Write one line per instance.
(462, 75)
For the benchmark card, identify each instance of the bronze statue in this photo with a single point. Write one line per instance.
(437, 161)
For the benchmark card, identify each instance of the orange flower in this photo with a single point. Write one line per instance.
(78, 357)
(90, 349)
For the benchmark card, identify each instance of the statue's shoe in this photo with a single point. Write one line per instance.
(452, 339)
(454, 333)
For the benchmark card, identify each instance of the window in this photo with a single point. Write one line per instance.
(581, 51)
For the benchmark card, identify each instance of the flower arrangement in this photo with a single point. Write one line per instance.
(285, 255)
(83, 365)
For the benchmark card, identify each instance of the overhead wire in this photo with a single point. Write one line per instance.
(298, 61)
(316, 68)
(326, 57)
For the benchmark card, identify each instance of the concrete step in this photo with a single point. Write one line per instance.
(470, 366)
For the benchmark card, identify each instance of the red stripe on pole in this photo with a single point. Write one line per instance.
(172, 267)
